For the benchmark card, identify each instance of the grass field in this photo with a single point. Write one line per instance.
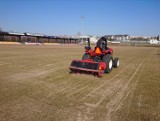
(35, 85)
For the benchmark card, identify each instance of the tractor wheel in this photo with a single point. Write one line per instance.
(86, 56)
(109, 62)
(116, 62)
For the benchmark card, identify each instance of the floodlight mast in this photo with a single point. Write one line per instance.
(82, 19)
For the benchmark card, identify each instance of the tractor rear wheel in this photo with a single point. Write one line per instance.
(86, 56)
(116, 62)
(109, 62)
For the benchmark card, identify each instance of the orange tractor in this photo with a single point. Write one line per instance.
(97, 61)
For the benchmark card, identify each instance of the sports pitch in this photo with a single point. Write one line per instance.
(35, 85)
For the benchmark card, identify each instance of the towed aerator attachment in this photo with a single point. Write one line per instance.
(87, 66)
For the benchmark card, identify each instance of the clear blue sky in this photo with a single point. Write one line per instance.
(62, 17)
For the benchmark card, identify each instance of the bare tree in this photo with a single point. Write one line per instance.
(158, 37)
(78, 33)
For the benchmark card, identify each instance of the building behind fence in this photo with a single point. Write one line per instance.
(35, 38)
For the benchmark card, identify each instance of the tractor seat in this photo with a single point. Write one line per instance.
(103, 46)
(87, 47)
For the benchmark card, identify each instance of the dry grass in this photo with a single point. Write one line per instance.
(35, 84)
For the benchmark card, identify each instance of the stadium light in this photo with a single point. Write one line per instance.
(82, 19)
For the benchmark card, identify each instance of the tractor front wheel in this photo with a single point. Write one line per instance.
(109, 62)
(86, 56)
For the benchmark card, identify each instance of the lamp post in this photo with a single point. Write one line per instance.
(82, 18)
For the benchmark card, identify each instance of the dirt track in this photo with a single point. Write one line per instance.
(38, 86)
